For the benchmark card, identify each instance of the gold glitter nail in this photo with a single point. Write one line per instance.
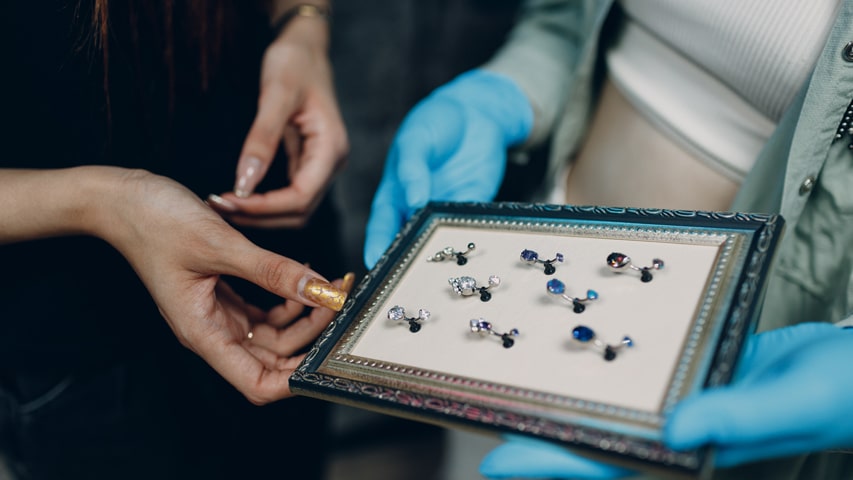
(348, 282)
(324, 293)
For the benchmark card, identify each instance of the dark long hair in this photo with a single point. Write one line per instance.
(204, 28)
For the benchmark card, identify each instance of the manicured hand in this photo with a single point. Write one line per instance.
(451, 146)
(297, 106)
(180, 248)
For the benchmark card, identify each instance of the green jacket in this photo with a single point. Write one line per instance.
(803, 173)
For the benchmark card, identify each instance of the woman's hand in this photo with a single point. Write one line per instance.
(180, 248)
(297, 105)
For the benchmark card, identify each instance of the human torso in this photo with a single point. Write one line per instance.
(694, 91)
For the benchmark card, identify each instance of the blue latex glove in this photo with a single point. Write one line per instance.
(792, 395)
(451, 146)
(524, 457)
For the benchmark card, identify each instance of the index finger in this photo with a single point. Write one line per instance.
(278, 274)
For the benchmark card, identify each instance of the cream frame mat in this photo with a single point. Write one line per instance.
(686, 325)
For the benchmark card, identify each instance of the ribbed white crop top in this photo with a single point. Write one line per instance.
(718, 74)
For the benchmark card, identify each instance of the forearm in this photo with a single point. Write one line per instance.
(544, 51)
(50, 203)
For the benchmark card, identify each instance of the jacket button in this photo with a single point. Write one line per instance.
(807, 185)
(847, 53)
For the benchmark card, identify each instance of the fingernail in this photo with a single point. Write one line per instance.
(249, 173)
(221, 202)
(322, 293)
(348, 282)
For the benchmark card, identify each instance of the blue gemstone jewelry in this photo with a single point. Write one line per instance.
(532, 258)
(398, 314)
(467, 286)
(448, 252)
(619, 262)
(558, 288)
(483, 328)
(586, 336)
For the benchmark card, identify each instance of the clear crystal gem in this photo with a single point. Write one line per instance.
(396, 313)
(463, 285)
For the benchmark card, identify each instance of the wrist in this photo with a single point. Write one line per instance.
(306, 23)
(497, 97)
(99, 194)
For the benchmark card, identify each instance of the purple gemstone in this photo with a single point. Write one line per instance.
(529, 255)
(556, 287)
(582, 333)
(559, 257)
(514, 332)
(479, 325)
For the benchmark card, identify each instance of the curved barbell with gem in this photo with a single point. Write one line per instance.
(467, 286)
(532, 258)
(448, 252)
(482, 327)
(585, 336)
(619, 262)
(557, 288)
(398, 314)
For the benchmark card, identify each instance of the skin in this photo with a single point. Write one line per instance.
(297, 108)
(179, 247)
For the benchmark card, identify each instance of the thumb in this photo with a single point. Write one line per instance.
(275, 106)
(283, 276)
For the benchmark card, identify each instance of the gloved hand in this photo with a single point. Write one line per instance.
(792, 395)
(524, 457)
(451, 146)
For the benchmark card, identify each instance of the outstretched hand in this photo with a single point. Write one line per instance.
(297, 106)
(180, 248)
(451, 146)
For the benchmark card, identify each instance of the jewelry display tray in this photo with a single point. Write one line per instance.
(687, 325)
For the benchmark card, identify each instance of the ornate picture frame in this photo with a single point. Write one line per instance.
(578, 325)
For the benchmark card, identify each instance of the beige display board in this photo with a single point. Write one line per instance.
(669, 336)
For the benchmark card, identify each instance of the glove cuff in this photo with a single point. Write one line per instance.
(496, 96)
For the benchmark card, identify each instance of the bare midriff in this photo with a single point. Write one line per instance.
(627, 161)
